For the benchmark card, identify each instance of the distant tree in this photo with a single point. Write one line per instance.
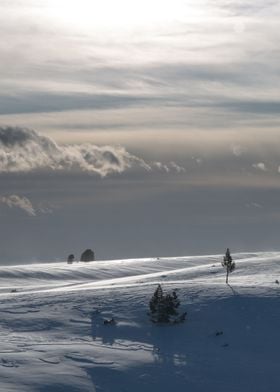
(70, 259)
(228, 263)
(87, 255)
(164, 307)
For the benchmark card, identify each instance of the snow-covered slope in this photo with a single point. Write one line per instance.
(54, 338)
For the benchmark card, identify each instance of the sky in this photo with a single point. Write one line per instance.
(138, 128)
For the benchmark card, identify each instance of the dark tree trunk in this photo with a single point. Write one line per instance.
(227, 275)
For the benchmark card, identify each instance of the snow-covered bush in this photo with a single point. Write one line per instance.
(163, 307)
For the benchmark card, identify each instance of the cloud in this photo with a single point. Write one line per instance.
(19, 202)
(254, 205)
(23, 203)
(169, 167)
(261, 166)
(177, 168)
(238, 150)
(47, 102)
(161, 166)
(24, 150)
(241, 7)
(199, 161)
(215, 78)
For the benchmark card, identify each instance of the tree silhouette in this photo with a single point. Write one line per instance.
(228, 263)
(70, 259)
(87, 255)
(163, 307)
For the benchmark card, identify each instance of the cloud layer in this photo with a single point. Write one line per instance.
(24, 150)
(214, 64)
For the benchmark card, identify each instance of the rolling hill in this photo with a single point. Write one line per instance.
(54, 338)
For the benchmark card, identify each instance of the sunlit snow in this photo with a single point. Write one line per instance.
(54, 338)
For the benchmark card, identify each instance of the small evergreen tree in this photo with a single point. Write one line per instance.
(163, 307)
(87, 255)
(70, 259)
(156, 299)
(228, 263)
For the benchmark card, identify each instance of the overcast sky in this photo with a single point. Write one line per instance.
(138, 128)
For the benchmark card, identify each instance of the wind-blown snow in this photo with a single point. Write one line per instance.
(54, 339)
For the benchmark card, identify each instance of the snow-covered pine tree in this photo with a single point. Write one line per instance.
(228, 263)
(163, 307)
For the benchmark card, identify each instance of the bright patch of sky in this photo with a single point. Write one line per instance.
(198, 56)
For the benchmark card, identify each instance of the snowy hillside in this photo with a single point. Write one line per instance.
(53, 338)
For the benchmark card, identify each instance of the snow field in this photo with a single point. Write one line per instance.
(54, 339)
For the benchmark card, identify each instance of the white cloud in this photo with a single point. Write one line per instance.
(260, 166)
(161, 167)
(23, 203)
(177, 168)
(19, 202)
(24, 150)
(171, 166)
(238, 150)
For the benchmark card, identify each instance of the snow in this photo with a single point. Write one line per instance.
(54, 338)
